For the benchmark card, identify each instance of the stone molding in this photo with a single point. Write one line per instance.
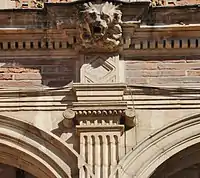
(30, 99)
(162, 97)
(114, 100)
(98, 91)
(146, 156)
(99, 128)
(36, 151)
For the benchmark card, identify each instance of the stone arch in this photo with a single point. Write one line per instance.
(158, 147)
(185, 162)
(40, 153)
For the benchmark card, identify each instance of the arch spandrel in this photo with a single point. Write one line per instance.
(40, 153)
(143, 159)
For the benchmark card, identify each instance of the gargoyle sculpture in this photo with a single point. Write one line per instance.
(100, 26)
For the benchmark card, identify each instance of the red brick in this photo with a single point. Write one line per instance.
(166, 81)
(154, 73)
(6, 77)
(137, 80)
(18, 70)
(175, 66)
(41, 62)
(57, 83)
(57, 76)
(23, 84)
(50, 68)
(141, 66)
(157, 61)
(28, 76)
(65, 68)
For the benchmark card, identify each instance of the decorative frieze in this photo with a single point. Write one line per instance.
(99, 112)
(35, 44)
(129, 42)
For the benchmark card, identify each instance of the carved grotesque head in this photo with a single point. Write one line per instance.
(100, 25)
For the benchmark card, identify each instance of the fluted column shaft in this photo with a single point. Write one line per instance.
(101, 153)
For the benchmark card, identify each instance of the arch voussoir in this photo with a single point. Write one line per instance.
(143, 159)
(42, 154)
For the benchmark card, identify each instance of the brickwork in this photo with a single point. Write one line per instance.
(165, 72)
(34, 73)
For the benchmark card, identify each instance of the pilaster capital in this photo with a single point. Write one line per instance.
(99, 107)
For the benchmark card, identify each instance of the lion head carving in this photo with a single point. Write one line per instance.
(100, 26)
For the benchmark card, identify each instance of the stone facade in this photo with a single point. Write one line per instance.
(101, 89)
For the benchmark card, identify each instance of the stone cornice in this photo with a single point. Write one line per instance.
(99, 99)
(99, 92)
(99, 104)
(35, 99)
(172, 27)
(114, 86)
(165, 52)
(114, 104)
(161, 97)
(53, 25)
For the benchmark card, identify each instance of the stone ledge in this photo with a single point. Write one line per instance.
(99, 128)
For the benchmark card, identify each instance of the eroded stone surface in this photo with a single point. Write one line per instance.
(100, 26)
